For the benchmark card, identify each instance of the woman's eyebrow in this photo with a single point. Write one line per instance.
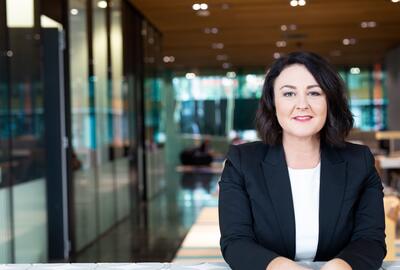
(312, 86)
(294, 87)
(288, 86)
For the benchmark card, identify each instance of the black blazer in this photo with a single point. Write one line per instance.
(256, 212)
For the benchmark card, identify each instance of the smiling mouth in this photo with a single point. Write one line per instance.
(303, 118)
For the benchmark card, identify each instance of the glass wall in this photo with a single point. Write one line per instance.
(154, 111)
(83, 127)
(368, 100)
(23, 213)
(119, 120)
(207, 104)
(101, 119)
(5, 164)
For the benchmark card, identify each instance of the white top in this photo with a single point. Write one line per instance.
(305, 192)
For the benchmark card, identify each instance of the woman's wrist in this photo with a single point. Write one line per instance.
(282, 263)
(336, 264)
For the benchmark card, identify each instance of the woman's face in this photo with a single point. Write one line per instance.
(301, 106)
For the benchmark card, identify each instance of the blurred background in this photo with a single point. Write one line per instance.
(115, 115)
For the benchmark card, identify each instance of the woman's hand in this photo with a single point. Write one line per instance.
(282, 263)
(336, 264)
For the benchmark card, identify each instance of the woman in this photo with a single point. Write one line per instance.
(303, 194)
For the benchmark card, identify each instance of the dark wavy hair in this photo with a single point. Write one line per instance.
(339, 118)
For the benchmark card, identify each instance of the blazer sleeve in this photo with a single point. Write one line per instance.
(367, 247)
(238, 242)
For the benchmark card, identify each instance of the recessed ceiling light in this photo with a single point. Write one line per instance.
(196, 6)
(226, 65)
(217, 45)
(212, 30)
(168, 59)
(302, 3)
(283, 27)
(277, 55)
(190, 75)
(395, 1)
(222, 57)
(203, 6)
(370, 24)
(294, 3)
(355, 70)
(349, 41)
(281, 44)
(74, 11)
(102, 4)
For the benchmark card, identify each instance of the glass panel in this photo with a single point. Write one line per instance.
(359, 86)
(82, 129)
(106, 184)
(30, 219)
(120, 124)
(5, 214)
(28, 150)
(203, 103)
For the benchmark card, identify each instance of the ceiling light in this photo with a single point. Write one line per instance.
(74, 11)
(203, 6)
(218, 45)
(102, 4)
(294, 3)
(190, 75)
(283, 27)
(226, 65)
(231, 74)
(370, 24)
(168, 59)
(281, 44)
(277, 55)
(212, 30)
(395, 1)
(293, 27)
(355, 70)
(196, 7)
(302, 3)
(222, 57)
(349, 41)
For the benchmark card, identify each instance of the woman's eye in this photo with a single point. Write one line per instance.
(288, 94)
(314, 93)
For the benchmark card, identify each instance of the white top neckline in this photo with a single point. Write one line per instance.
(307, 169)
(305, 185)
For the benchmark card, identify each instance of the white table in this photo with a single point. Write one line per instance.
(150, 266)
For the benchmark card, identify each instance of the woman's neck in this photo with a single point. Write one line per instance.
(301, 153)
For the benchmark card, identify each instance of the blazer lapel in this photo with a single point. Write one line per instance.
(278, 184)
(332, 187)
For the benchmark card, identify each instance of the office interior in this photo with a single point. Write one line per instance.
(100, 98)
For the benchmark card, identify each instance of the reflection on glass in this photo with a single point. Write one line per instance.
(106, 184)
(82, 131)
(27, 133)
(119, 119)
(5, 225)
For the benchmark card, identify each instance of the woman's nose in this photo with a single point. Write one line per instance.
(302, 102)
